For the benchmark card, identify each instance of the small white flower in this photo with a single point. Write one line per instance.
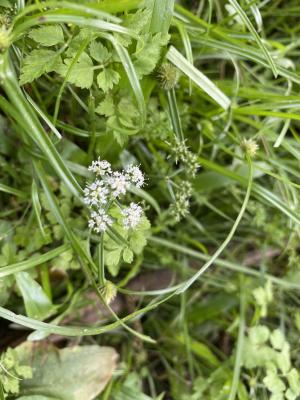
(135, 175)
(118, 183)
(96, 193)
(99, 220)
(132, 215)
(100, 167)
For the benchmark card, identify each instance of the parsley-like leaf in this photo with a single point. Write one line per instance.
(107, 79)
(81, 74)
(47, 35)
(106, 107)
(99, 52)
(37, 63)
(148, 52)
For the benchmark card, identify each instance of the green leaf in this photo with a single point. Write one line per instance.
(107, 79)
(99, 52)
(294, 381)
(74, 373)
(148, 52)
(127, 255)
(138, 21)
(277, 339)
(273, 383)
(112, 260)
(131, 389)
(82, 72)
(37, 63)
(137, 242)
(106, 107)
(259, 334)
(283, 358)
(47, 35)
(37, 303)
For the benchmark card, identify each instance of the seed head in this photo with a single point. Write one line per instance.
(168, 76)
(250, 147)
(108, 292)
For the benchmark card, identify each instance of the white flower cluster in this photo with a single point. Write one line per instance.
(109, 186)
(132, 215)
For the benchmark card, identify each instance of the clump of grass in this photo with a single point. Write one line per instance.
(194, 273)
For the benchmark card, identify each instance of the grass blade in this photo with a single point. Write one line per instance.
(256, 36)
(198, 77)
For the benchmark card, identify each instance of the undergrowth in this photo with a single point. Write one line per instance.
(149, 184)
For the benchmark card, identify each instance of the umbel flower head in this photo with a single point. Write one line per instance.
(108, 187)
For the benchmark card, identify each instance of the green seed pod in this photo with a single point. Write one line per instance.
(168, 76)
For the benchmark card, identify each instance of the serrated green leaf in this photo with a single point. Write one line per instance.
(49, 35)
(148, 52)
(82, 72)
(137, 242)
(112, 260)
(37, 63)
(139, 20)
(127, 255)
(106, 107)
(107, 79)
(99, 52)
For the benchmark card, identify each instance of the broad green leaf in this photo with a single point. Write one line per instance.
(73, 373)
(37, 63)
(107, 79)
(47, 35)
(37, 303)
(99, 52)
(82, 72)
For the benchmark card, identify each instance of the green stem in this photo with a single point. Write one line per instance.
(100, 254)
(239, 349)
(174, 114)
